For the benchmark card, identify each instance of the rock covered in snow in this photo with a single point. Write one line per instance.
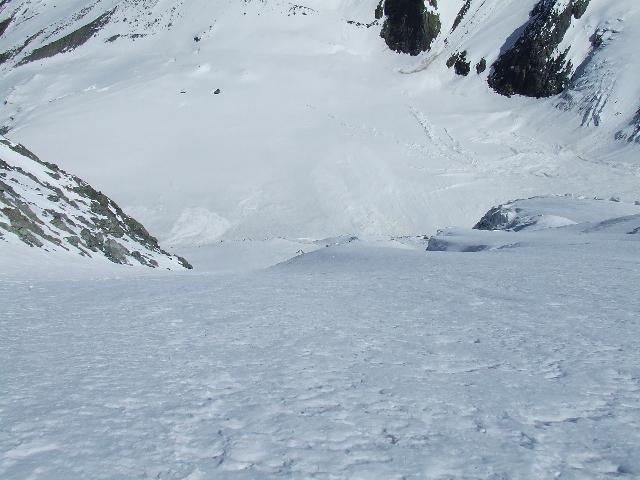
(45, 207)
(540, 213)
(632, 132)
(537, 221)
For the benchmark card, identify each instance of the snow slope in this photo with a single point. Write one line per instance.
(360, 360)
(319, 129)
(376, 352)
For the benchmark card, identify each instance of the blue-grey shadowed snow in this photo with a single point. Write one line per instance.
(364, 359)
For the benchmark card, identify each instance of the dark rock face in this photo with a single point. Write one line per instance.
(507, 217)
(75, 216)
(459, 63)
(380, 10)
(481, 66)
(632, 133)
(635, 134)
(4, 24)
(497, 218)
(409, 26)
(531, 66)
(69, 42)
(461, 14)
(9, 54)
(462, 66)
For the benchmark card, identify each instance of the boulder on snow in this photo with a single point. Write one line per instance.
(539, 213)
(459, 63)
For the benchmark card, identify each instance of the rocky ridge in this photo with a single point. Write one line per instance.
(45, 207)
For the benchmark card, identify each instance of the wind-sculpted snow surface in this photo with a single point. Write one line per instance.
(362, 359)
(44, 207)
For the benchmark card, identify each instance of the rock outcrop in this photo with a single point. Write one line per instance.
(410, 26)
(45, 207)
(541, 213)
(70, 41)
(461, 14)
(631, 134)
(4, 24)
(533, 66)
(459, 63)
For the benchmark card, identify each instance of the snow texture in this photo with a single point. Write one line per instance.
(360, 359)
(327, 331)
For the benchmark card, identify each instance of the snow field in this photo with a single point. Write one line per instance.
(354, 361)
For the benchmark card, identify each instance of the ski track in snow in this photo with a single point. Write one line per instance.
(349, 362)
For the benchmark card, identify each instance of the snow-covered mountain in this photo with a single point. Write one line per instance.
(355, 359)
(215, 119)
(309, 159)
(43, 206)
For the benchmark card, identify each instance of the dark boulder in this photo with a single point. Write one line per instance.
(498, 218)
(459, 63)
